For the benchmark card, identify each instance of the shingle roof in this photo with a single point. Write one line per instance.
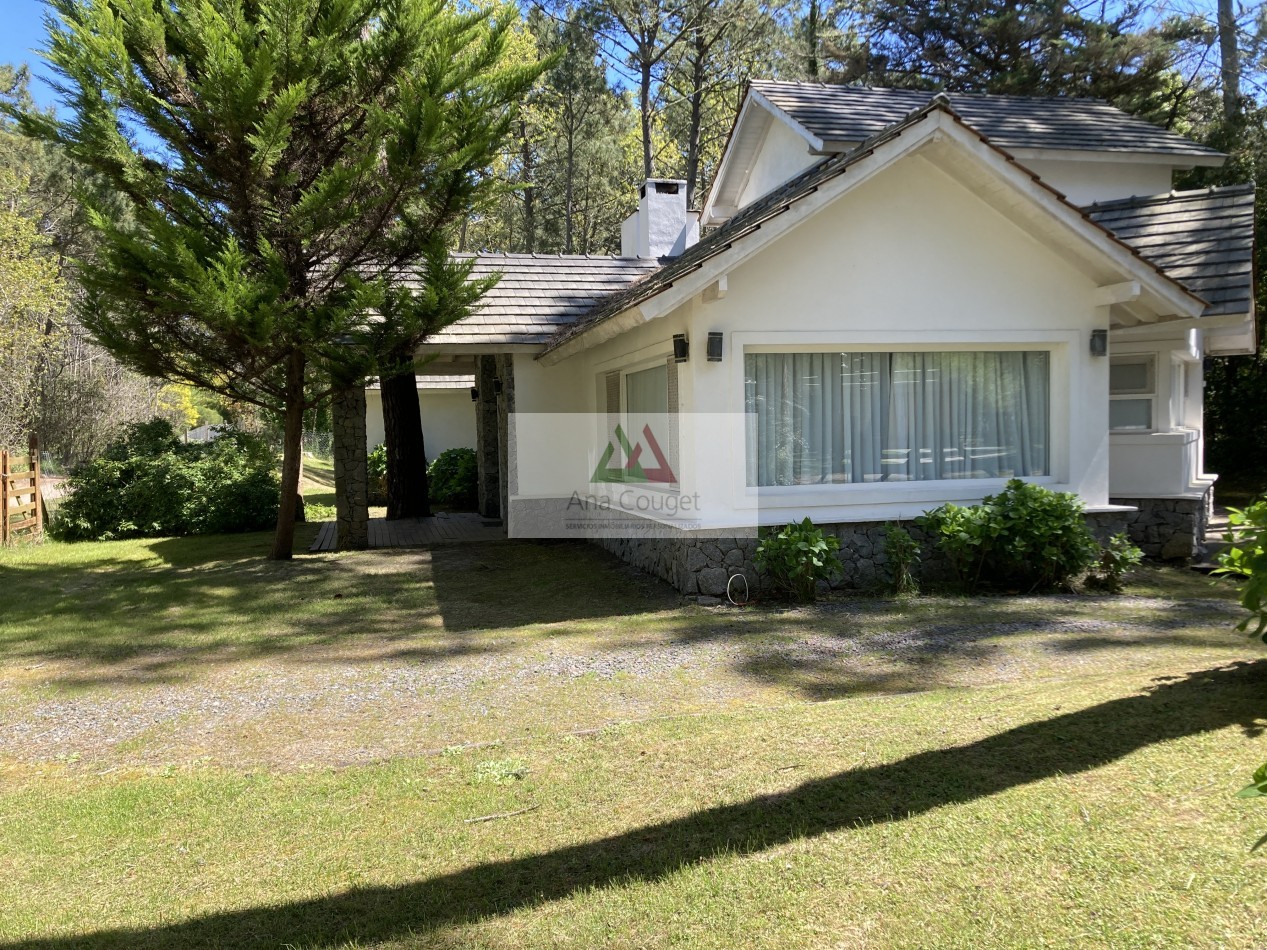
(1203, 239)
(854, 113)
(752, 216)
(540, 294)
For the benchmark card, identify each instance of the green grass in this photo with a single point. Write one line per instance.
(923, 772)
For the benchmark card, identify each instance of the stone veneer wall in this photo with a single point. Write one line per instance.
(1169, 528)
(703, 563)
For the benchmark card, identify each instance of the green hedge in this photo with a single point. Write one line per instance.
(453, 479)
(150, 484)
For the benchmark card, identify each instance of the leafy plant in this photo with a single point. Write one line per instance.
(376, 471)
(1024, 538)
(797, 557)
(150, 484)
(453, 477)
(901, 551)
(1256, 789)
(1117, 558)
(1247, 558)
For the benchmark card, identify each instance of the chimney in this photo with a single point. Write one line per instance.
(662, 226)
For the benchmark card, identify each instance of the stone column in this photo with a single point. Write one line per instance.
(505, 407)
(351, 480)
(487, 455)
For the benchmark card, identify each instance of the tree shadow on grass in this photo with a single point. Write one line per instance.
(1075, 742)
(216, 600)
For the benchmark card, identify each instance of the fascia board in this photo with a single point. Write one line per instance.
(1167, 159)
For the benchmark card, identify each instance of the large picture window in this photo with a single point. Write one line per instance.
(824, 418)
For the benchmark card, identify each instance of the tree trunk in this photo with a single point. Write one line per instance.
(351, 480)
(697, 118)
(569, 190)
(406, 453)
(644, 101)
(811, 41)
(530, 191)
(1229, 52)
(292, 458)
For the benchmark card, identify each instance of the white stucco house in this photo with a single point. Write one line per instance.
(901, 300)
(448, 412)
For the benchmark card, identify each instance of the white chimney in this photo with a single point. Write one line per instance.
(662, 226)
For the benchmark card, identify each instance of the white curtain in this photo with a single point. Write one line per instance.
(820, 418)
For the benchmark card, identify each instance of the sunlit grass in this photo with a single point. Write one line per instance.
(868, 772)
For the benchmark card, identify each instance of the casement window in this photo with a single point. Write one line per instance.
(1132, 393)
(828, 418)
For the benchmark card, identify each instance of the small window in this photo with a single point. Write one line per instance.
(1132, 393)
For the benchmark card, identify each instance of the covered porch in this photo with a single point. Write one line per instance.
(445, 528)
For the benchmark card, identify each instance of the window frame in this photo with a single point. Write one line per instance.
(1147, 393)
(839, 492)
(624, 371)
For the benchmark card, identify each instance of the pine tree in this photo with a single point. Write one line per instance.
(280, 160)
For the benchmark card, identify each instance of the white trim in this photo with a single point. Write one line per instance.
(1182, 161)
(1062, 383)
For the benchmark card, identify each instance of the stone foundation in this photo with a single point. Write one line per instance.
(1169, 528)
(703, 563)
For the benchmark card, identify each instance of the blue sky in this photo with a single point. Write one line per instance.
(21, 34)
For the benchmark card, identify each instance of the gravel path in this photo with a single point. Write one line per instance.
(325, 710)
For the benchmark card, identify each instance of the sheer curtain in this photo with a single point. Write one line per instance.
(820, 418)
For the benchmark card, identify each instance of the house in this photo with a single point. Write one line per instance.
(444, 399)
(898, 300)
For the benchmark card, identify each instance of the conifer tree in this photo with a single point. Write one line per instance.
(282, 161)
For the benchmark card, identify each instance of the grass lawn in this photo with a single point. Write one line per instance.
(202, 748)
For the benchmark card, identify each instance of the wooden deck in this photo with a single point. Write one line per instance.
(444, 528)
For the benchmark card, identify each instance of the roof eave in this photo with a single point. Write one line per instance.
(753, 99)
(1161, 294)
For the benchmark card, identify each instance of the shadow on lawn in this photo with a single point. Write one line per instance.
(217, 600)
(1075, 742)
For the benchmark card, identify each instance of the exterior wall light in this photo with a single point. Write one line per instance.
(475, 394)
(681, 348)
(1099, 342)
(714, 347)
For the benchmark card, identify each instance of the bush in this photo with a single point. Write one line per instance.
(1247, 558)
(1116, 560)
(453, 479)
(376, 471)
(1025, 538)
(797, 557)
(150, 484)
(901, 552)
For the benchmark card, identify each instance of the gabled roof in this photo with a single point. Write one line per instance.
(752, 217)
(537, 295)
(1204, 239)
(841, 115)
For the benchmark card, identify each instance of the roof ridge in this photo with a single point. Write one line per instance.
(540, 256)
(932, 92)
(1135, 201)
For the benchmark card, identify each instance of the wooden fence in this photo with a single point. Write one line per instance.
(21, 503)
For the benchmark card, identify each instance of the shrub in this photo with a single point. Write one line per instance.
(1116, 560)
(453, 479)
(1024, 538)
(901, 552)
(1247, 558)
(376, 471)
(149, 484)
(797, 557)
